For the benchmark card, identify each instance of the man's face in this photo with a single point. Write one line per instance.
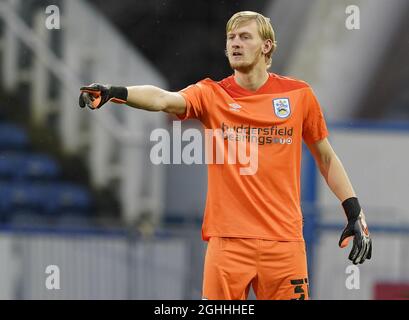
(244, 47)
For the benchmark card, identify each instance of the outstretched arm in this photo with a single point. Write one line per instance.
(152, 98)
(146, 97)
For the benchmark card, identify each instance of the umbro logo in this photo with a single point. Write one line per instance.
(235, 107)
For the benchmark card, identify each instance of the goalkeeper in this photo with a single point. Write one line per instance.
(253, 223)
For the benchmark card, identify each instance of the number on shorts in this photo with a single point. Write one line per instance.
(298, 288)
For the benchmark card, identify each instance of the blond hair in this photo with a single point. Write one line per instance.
(265, 29)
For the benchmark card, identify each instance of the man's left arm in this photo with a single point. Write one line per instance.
(337, 179)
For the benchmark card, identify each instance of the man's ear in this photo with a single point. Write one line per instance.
(267, 46)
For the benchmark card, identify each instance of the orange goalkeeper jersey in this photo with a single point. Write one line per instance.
(283, 112)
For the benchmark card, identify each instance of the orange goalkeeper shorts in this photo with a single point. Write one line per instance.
(275, 269)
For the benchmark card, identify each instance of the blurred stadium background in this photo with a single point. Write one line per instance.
(77, 188)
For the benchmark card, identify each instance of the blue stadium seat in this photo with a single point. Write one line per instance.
(28, 219)
(20, 197)
(20, 166)
(43, 198)
(39, 166)
(12, 137)
(29, 185)
(69, 198)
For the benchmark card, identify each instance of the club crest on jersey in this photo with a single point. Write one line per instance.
(282, 107)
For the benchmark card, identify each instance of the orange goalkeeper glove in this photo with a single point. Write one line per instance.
(357, 229)
(96, 95)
